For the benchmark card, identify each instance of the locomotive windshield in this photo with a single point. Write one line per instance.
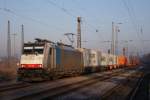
(33, 50)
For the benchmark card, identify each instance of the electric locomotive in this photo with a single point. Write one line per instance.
(44, 60)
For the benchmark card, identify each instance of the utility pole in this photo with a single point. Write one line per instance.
(113, 40)
(113, 44)
(78, 32)
(115, 31)
(141, 30)
(22, 38)
(14, 36)
(116, 39)
(124, 51)
(8, 44)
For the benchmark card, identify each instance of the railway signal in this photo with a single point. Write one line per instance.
(8, 44)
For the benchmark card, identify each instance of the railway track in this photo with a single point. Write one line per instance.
(13, 86)
(119, 92)
(64, 89)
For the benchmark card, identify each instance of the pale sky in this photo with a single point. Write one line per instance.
(50, 19)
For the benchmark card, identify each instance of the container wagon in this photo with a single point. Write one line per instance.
(91, 60)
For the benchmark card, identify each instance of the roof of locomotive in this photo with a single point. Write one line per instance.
(38, 42)
(33, 44)
(42, 42)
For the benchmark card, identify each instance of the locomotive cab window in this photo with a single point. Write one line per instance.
(33, 50)
(38, 50)
(28, 50)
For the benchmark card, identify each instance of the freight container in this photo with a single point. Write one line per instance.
(104, 60)
(92, 59)
(86, 59)
(122, 61)
(111, 61)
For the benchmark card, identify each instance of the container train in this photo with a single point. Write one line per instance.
(45, 60)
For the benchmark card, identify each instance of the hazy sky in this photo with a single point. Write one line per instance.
(50, 19)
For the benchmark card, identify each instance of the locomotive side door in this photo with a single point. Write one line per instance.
(47, 56)
(51, 57)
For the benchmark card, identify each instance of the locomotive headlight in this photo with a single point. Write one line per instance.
(22, 65)
(40, 65)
